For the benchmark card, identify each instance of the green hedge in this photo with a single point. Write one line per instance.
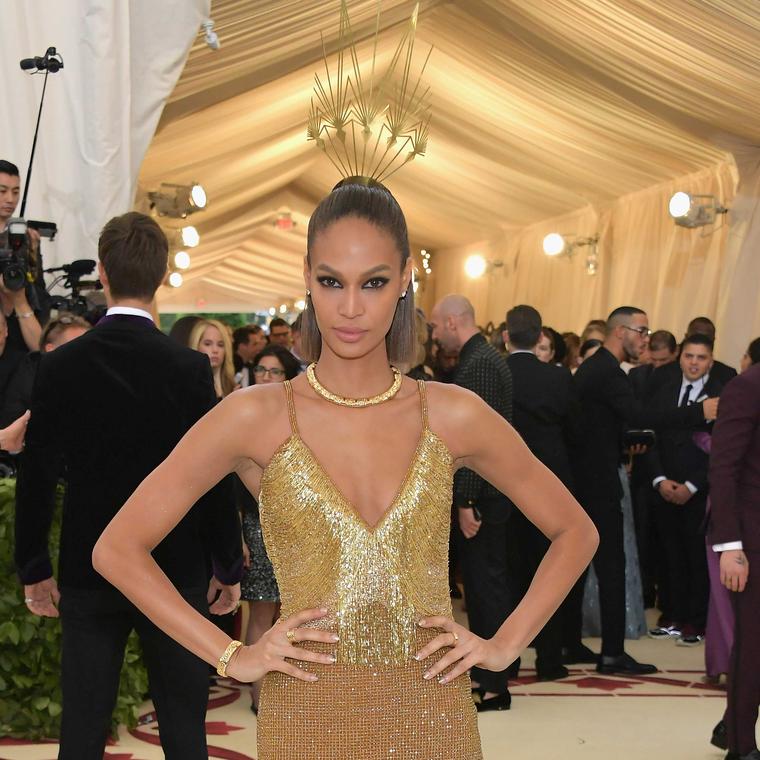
(30, 650)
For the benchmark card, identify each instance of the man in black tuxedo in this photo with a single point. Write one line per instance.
(677, 468)
(663, 350)
(547, 417)
(483, 511)
(608, 408)
(108, 407)
(720, 372)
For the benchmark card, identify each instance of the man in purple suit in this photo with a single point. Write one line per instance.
(735, 533)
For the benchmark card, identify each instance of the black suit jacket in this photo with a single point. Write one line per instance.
(484, 371)
(546, 411)
(608, 408)
(107, 409)
(676, 456)
(670, 372)
(735, 464)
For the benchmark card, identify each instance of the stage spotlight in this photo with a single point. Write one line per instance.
(177, 201)
(182, 259)
(190, 237)
(694, 210)
(475, 266)
(175, 279)
(554, 244)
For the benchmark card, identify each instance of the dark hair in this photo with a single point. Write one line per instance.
(524, 327)
(698, 339)
(289, 362)
(549, 333)
(243, 334)
(622, 311)
(754, 351)
(375, 204)
(278, 322)
(182, 328)
(560, 349)
(56, 327)
(135, 254)
(663, 339)
(701, 326)
(588, 345)
(6, 167)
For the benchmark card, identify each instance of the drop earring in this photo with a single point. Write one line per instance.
(403, 296)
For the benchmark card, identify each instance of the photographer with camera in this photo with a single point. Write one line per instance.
(19, 254)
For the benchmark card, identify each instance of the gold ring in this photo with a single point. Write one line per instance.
(456, 637)
(291, 635)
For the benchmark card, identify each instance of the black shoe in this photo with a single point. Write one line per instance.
(552, 674)
(719, 737)
(499, 702)
(578, 655)
(624, 665)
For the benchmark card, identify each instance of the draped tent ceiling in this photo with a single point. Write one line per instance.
(540, 109)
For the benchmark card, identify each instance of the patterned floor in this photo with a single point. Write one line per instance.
(584, 716)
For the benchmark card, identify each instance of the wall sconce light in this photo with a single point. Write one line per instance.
(476, 266)
(694, 210)
(555, 244)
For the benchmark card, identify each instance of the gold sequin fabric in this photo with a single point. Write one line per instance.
(377, 582)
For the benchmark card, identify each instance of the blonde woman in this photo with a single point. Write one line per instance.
(211, 337)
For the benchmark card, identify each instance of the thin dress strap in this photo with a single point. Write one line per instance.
(291, 407)
(423, 404)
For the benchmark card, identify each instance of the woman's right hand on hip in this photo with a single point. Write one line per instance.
(271, 652)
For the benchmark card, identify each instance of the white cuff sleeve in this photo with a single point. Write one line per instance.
(730, 546)
(656, 482)
(691, 487)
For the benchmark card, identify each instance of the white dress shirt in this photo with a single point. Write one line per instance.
(129, 310)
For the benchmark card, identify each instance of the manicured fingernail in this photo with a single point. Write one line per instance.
(417, 657)
(422, 622)
(335, 637)
(313, 678)
(427, 676)
(442, 680)
(333, 658)
(323, 610)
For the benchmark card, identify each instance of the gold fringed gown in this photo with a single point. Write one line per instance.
(377, 582)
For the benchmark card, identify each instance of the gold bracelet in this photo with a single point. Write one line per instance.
(224, 660)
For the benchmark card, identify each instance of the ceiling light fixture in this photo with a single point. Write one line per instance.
(476, 266)
(175, 279)
(182, 259)
(190, 237)
(694, 210)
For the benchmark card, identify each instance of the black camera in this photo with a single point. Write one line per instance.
(14, 258)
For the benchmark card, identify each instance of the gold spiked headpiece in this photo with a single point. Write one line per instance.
(370, 124)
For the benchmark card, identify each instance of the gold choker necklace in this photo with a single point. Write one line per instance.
(311, 376)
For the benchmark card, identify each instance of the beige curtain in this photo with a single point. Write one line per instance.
(645, 260)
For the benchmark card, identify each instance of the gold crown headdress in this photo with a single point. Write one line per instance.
(370, 127)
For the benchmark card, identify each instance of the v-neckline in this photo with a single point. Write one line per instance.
(350, 508)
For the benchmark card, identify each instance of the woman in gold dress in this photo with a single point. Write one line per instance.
(353, 467)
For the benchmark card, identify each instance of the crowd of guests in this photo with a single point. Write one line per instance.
(623, 416)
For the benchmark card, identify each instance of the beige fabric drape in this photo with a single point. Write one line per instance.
(587, 108)
(121, 62)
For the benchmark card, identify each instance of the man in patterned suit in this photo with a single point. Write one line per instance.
(483, 511)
